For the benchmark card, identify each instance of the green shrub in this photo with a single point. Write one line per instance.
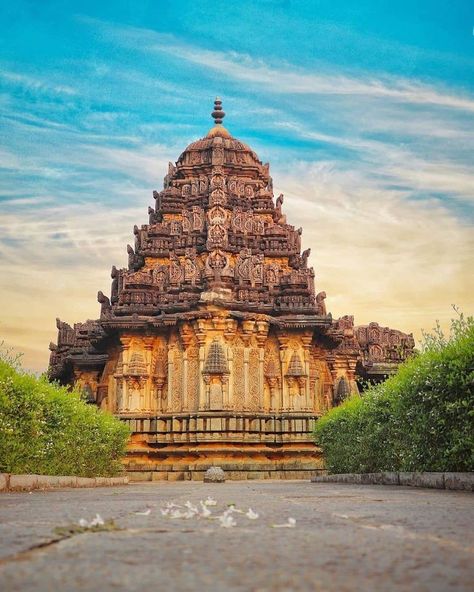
(420, 419)
(47, 429)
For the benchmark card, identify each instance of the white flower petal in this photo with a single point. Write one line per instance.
(290, 524)
(251, 515)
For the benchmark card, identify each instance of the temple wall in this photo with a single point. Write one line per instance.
(265, 371)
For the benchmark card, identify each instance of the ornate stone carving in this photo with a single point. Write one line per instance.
(238, 375)
(176, 353)
(218, 312)
(176, 270)
(192, 272)
(320, 298)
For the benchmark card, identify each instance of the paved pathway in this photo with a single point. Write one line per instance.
(346, 537)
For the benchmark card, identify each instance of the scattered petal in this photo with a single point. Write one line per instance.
(83, 523)
(205, 512)
(145, 513)
(227, 521)
(177, 514)
(209, 501)
(191, 507)
(97, 521)
(290, 524)
(251, 515)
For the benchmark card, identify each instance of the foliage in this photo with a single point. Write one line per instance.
(48, 429)
(420, 419)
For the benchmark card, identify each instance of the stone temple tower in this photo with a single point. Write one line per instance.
(214, 345)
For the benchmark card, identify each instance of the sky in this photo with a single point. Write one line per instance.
(364, 110)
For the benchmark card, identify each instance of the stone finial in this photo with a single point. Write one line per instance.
(218, 114)
(214, 475)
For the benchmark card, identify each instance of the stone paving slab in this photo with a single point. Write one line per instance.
(346, 537)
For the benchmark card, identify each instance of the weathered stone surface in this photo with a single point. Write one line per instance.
(176, 476)
(140, 475)
(85, 482)
(346, 538)
(66, 481)
(406, 478)
(122, 480)
(4, 480)
(23, 482)
(389, 478)
(462, 481)
(427, 479)
(214, 475)
(47, 481)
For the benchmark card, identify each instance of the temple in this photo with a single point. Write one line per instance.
(214, 345)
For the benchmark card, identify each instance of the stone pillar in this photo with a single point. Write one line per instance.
(170, 375)
(306, 339)
(229, 391)
(200, 332)
(247, 327)
(285, 397)
(262, 332)
(148, 345)
(186, 333)
(159, 384)
(125, 347)
(185, 380)
(229, 335)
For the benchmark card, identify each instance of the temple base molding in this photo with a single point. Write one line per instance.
(184, 446)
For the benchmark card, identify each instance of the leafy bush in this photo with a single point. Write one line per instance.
(47, 429)
(420, 419)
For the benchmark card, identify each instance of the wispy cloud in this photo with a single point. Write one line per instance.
(287, 78)
(35, 84)
(377, 255)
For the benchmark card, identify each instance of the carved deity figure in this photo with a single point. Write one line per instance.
(105, 304)
(320, 297)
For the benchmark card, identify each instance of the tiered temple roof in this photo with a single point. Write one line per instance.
(216, 235)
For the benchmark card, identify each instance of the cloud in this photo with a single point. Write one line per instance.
(35, 84)
(286, 79)
(376, 254)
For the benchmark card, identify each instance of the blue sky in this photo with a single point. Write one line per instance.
(364, 110)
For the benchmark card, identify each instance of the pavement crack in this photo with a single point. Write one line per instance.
(27, 553)
(63, 533)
